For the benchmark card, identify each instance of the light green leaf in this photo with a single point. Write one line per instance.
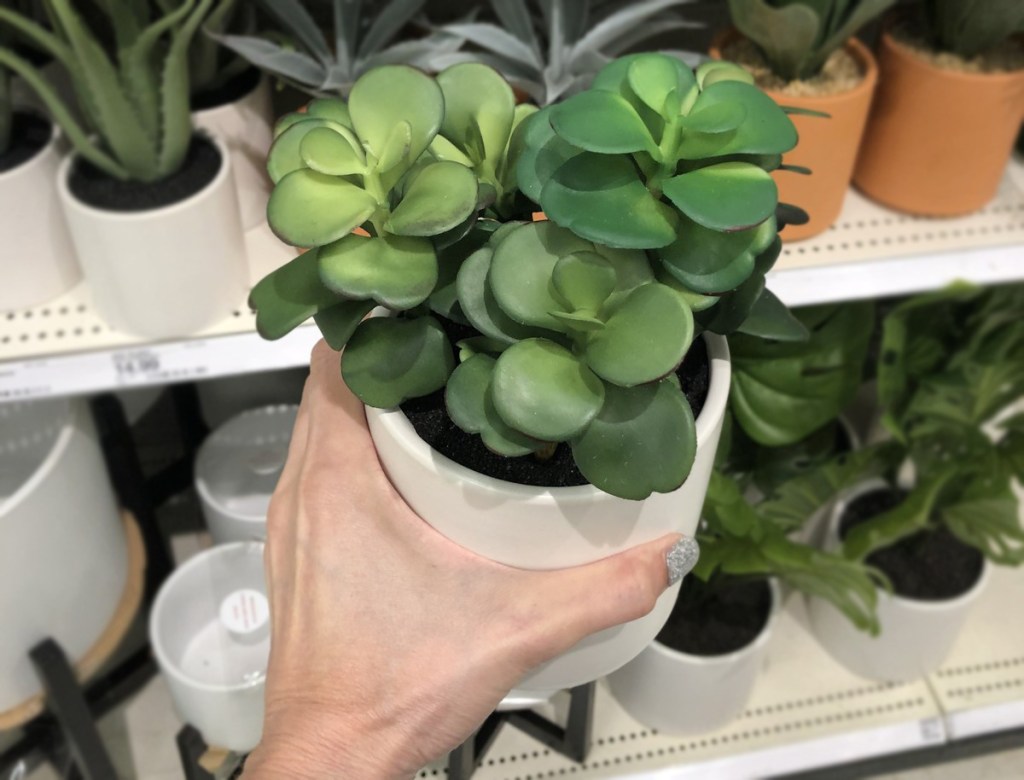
(468, 399)
(285, 155)
(441, 196)
(395, 271)
(327, 151)
(477, 96)
(604, 122)
(480, 307)
(727, 196)
(390, 94)
(308, 208)
(583, 280)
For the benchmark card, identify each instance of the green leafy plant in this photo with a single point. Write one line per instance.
(574, 39)
(305, 58)
(797, 37)
(212, 65)
(971, 27)
(136, 102)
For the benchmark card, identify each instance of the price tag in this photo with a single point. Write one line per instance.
(135, 366)
(159, 365)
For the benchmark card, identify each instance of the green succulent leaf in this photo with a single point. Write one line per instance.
(615, 76)
(715, 71)
(583, 281)
(770, 318)
(710, 261)
(333, 109)
(285, 153)
(385, 96)
(653, 78)
(441, 196)
(541, 153)
(764, 129)
(477, 96)
(444, 299)
(389, 360)
(395, 271)
(643, 440)
(396, 149)
(337, 323)
(726, 196)
(309, 209)
(599, 121)
(327, 151)
(544, 391)
(289, 296)
(479, 305)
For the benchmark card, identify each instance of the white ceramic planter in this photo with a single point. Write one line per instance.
(63, 551)
(210, 633)
(916, 635)
(550, 528)
(38, 260)
(246, 127)
(237, 469)
(679, 693)
(166, 272)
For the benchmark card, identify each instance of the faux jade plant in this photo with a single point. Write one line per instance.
(135, 100)
(971, 27)
(797, 37)
(558, 51)
(410, 196)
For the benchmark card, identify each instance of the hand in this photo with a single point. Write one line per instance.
(390, 643)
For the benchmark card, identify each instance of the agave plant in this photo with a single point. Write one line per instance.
(797, 37)
(136, 102)
(971, 27)
(309, 62)
(575, 40)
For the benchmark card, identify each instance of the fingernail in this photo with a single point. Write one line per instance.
(681, 559)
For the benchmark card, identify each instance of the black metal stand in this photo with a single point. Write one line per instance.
(572, 740)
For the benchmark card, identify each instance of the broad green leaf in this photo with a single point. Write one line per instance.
(468, 399)
(289, 296)
(441, 196)
(583, 281)
(334, 109)
(642, 441)
(444, 299)
(604, 122)
(541, 153)
(327, 151)
(396, 149)
(308, 208)
(395, 271)
(390, 360)
(544, 391)
(615, 75)
(653, 78)
(476, 95)
(714, 71)
(337, 323)
(727, 196)
(710, 261)
(285, 155)
(390, 94)
(765, 129)
(478, 303)
(990, 524)
(715, 119)
(771, 319)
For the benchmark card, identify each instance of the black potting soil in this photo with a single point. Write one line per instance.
(29, 134)
(931, 565)
(713, 621)
(429, 417)
(97, 189)
(231, 90)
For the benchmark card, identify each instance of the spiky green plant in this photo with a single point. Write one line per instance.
(971, 27)
(136, 101)
(211, 65)
(559, 56)
(308, 61)
(797, 37)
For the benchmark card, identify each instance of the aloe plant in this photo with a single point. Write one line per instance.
(211, 65)
(136, 102)
(797, 37)
(971, 27)
(562, 54)
(308, 61)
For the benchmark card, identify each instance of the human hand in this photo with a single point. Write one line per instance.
(391, 644)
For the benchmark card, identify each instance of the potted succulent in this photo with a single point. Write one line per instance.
(150, 204)
(562, 428)
(945, 53)
(29, 158)
(950, 363)
(805, 55)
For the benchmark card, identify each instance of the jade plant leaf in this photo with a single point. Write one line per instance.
(725, 196)
(544, 391)
(583, 281)
(479, 305)
(396, 148)
(389, 360)
(614, 76)
(763, 129)
(289, 296)
(542, 153)
(441, 196)
(395, 271)
(325, 150)
(334, 109)
(599, 121)
(653, 79)
(444, 299)
(337, 323)
(644, 440)
(468, 398)
(710, 261)
(476, 95)
(385, 96)
(309, 209)
(284, 155)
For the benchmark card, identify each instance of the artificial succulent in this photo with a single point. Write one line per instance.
(971, 27)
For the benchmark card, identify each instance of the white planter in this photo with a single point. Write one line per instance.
(916, 636)
(215, 663)
(246, 127)
(166, 272)
(63, 551)
(38, 260)
(237, 469)
(679, 693)
(550, 528)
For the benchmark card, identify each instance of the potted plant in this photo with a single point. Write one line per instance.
(29, 158)
(805, 55)
(559, 54)
(946, 53)
(950, 363)
(699, 672)
(150, 204)
(561, 429)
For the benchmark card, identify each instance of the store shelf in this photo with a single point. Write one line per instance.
(64, 348)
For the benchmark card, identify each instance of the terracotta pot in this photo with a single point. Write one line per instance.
(827, 146)
(938, 140)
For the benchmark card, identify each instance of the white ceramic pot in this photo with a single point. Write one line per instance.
(550, 528)
(223, 398)
(63, 551)
(916, 635)
(38, 260)
(246, 127)
(237, 469)
(210, 632)
(165, 272)
(679, 693)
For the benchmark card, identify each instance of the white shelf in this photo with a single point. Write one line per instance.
(64, 348)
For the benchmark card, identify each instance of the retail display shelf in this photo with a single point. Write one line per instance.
(65, 348)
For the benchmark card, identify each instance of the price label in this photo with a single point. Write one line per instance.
(137, 365)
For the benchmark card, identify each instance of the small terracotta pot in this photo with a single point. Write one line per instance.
(827, 146)
(938, 140)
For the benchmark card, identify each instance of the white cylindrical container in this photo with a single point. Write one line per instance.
(225, 397)
(210, 632)
(916, 636)
(63, 550)
(679, 693)
(38, 260)
(237, 469)
(246, 126)
(166, 272)
(551, 528)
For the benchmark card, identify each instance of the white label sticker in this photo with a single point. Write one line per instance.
(245, 613)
